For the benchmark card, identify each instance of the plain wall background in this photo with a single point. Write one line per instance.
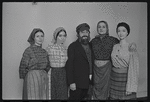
(19, 19)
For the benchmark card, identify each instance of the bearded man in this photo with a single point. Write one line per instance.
(79, 64)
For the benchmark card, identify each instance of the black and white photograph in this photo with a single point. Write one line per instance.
(74, 51)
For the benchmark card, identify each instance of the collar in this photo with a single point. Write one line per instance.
(36, 46)
(99, 36)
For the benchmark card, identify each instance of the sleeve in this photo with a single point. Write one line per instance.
(48, 64)
(114, 47)
(115, 41)
(70, 65)
(92, 57)
(132, 47)
(23, 68)
(48, 49)
(133, 71)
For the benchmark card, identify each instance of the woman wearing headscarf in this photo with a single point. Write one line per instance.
(124, 76)
(102, 46)
(33, 68)
(58, 57)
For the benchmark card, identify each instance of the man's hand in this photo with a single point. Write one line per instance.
(132, 47)
(73, 86)
(127, 93)
(90, 76)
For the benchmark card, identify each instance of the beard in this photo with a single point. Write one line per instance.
(84, 40)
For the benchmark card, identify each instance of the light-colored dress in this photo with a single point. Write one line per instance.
(57, 74)
(124, 76)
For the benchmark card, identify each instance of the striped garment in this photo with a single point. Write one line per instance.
(118, 87)
(124, 76)
(33, 69)
(36, 85)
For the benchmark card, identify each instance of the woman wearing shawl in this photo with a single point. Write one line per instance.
(34, 66)
(124, 76)
(102, 46)
(58, 57)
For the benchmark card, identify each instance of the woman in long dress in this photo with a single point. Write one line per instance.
(58, 57)
(33, 68)
(102, 46)
(124, 76)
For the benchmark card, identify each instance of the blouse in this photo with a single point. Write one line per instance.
(34, 58)
(57, 55)
(123, 59)
(102, 48)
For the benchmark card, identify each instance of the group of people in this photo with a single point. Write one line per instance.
(104, 68)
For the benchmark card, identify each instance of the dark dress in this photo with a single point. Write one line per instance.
(102, 49)
(33, 69)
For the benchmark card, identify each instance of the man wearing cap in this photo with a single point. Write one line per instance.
(79, 64)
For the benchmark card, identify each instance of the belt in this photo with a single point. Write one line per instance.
(120, 70)
(99, 63)
(102, 59)
(57, 67)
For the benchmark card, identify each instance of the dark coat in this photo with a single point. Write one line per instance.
(77, 66)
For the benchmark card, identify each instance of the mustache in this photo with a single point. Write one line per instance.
(87, 37)
(84, 36)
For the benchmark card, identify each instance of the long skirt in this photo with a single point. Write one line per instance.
(59, 89)
(101, 81)
(118, 87)
(35, 85)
